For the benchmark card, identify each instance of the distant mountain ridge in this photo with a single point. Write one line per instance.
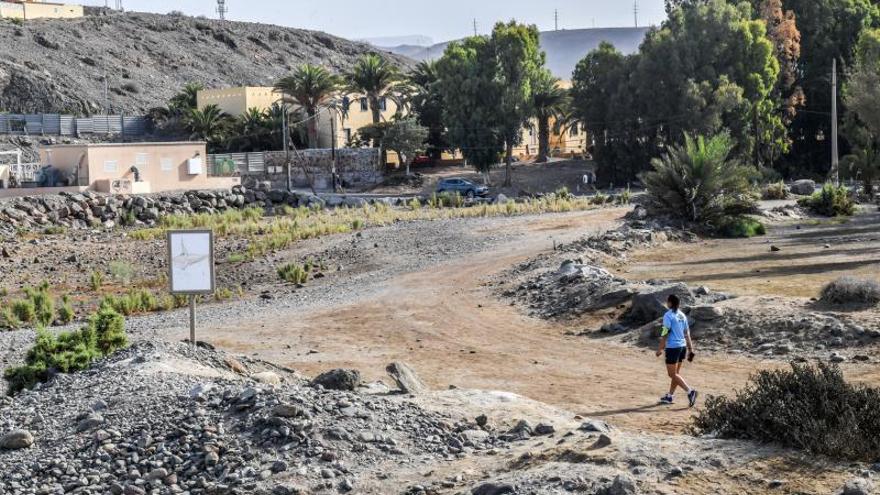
(565, 48)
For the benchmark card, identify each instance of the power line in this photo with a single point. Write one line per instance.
(222, 9)
(636, 11)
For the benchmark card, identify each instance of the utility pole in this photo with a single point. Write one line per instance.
(119, 5)
(636, 11)
(556, 18)
(285, 138)
(222, 9)
(333, 148)
(475, 26)
(835, 159)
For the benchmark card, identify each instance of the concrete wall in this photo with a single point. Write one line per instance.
(162, 166)
(356, 167)
(11, 10)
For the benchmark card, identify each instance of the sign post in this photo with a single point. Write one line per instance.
(191, 268)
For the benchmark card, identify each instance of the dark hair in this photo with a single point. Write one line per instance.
(673, 301)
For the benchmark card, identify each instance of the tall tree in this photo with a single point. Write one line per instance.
(186, 99)
(427, 106)
(519, 59)
(470, 92)
(313, 89)
(375, 78)
(829, 30)
(862, 93)
(549, 102)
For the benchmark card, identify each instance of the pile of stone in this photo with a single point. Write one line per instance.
(165, 418)
(88, 209)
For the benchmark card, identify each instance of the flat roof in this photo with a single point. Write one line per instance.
(126, 145)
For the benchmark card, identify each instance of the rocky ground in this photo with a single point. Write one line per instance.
(427, 293)
(572, 282)
(147, 58)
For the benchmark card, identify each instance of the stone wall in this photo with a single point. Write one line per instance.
(356, 167)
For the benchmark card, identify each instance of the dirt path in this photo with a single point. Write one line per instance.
(446, 323)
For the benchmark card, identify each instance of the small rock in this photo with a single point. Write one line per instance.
(544, 429)
(602, 442)
(267, 377)
(406, 378)
(493, 489)
(775, 249)
(339, 379)
(16, 439)
(858, 486)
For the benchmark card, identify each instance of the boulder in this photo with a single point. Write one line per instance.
(650, 304)
(267, 377)
(339, 379)
(623, 484)
(493, 489)
(571, 271)
(706, 313)
(16, 439)
(803, 187)
(858, 486)
(407, 379)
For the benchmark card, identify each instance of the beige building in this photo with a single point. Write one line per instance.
(236, 101)
(135, 168)
(38, 9)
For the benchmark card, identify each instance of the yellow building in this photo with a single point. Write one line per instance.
(236, 101)
(38, 9)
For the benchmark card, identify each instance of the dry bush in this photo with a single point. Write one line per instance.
(807, 407)
(851, 290)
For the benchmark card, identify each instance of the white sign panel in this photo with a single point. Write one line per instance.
(191, 261)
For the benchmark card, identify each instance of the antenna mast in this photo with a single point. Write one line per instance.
(636, 11)
(475, 26)
(556, 18)
(222, 9)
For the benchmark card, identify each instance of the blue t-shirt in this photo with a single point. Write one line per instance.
(675, 327)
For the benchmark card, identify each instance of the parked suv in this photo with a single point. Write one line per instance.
(463, 187)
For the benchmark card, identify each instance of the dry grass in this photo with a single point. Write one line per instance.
(295, 224)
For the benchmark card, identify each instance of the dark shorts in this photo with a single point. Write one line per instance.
(676, 355)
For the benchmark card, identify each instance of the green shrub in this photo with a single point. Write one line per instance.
(294, 273)
(104, 334)
(222, 294)
(128, 219)
(136, 301)
(625, 197)
(65, 311)
(830, 202)
(54, 230)
(122, 271)
(699, 181)
(741, 227)
(415, 204)
(808, 408)
(24, 311)
(563, 193)
(96, 280)
(776, 190)
(600, 198)
(8, 320)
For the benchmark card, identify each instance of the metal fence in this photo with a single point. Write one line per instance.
(229, 164)
(67, 125)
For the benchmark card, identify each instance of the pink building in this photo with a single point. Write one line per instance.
(134, 168)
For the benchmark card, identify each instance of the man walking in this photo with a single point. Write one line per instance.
(675, 341)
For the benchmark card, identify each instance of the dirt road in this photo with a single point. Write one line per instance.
(445, 322)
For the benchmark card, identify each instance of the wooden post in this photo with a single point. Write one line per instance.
(192, 320)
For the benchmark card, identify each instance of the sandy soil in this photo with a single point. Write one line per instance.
(445, 321)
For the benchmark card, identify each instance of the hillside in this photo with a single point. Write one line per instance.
(59, 66)
(564, 48)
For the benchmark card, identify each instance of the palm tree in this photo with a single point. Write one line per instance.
(374, 78)
(427, 105)
(209, 124)
(312, 88)
(864, 164)
(186, 100)
(549, 101)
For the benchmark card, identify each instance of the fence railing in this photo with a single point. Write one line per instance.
(25, 172)
(229, 164)
(68, 125)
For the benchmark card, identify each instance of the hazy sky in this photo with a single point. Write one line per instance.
(441, 20)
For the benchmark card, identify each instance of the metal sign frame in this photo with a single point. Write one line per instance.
(171, 237)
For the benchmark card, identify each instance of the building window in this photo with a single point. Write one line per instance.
(111, 166)
(141, 160)
(364, 105)
(383, 104)
(574, 130)
(166, 164)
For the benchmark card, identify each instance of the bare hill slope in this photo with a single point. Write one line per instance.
(59, 66)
